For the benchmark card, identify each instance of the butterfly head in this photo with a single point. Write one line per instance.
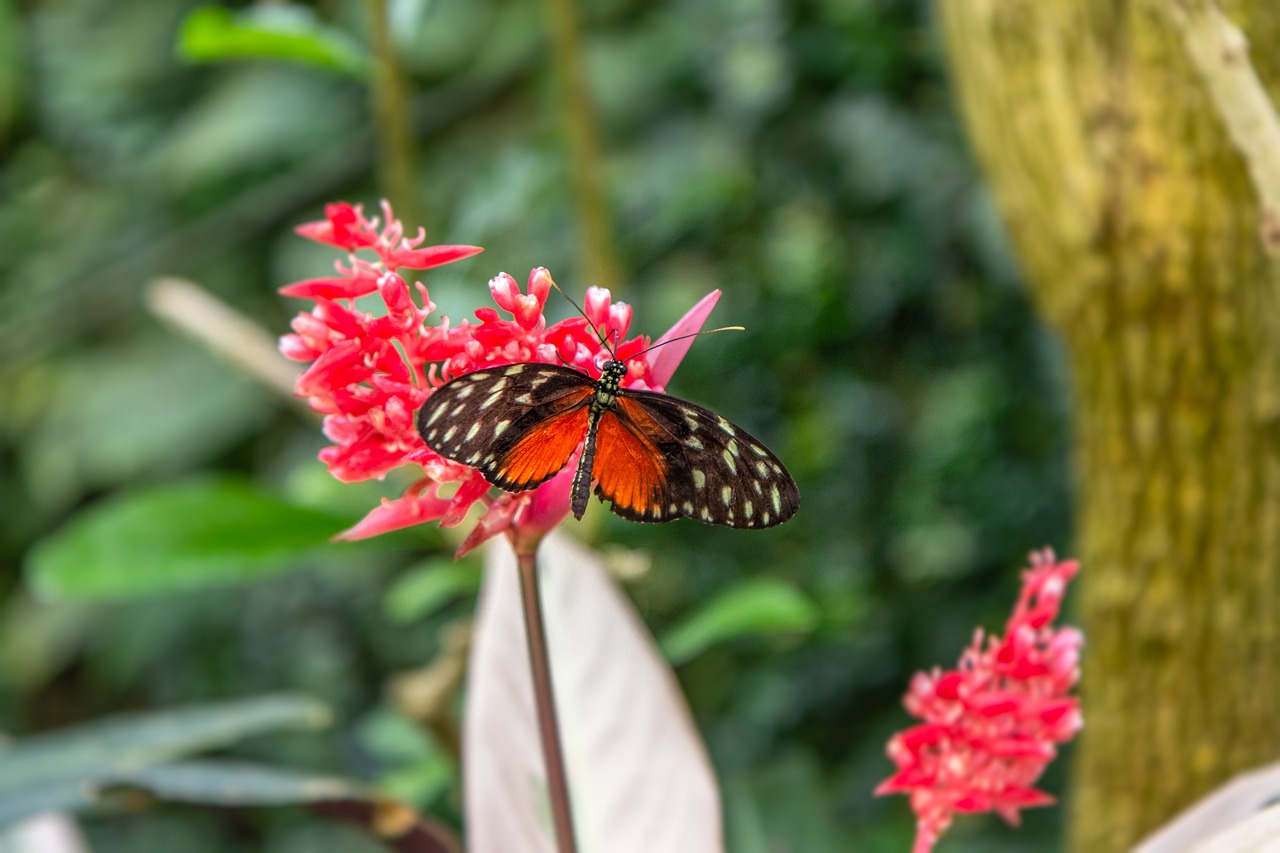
(610, 381)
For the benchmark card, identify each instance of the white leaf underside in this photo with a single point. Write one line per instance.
(639, 774)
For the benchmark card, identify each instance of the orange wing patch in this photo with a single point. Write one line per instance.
(543, 450)
(629, 468)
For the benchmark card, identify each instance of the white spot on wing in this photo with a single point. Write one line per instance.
(501, 427)
(514, 370)
(699, 479)
(466, 392)
(776, 498)
(762, 469)
(748, 509)
(525, 400)
(764, 519)
(726, 426)
(758, 450)
(693, 442)
(493, 398)
(728, 460)
(726, 495)
(449, 433)
(471, 433)
(435, 416)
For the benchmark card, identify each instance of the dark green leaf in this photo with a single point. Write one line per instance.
(289, 33)
(180, 536)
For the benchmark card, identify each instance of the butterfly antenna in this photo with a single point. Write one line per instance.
(604, 342)
(691, 335)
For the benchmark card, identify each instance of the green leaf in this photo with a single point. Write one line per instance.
(68, 768)
(289, 33)
(757, 607)
(425, 588)
(179, 536)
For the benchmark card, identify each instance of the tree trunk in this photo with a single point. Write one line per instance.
(1137, 227)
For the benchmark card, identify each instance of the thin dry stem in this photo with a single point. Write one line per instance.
(599, 257)
(397, 158)
(226, 332)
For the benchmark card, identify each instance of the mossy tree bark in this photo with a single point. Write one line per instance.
(1137, 227)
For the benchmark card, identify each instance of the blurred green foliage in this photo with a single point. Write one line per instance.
(804, 157)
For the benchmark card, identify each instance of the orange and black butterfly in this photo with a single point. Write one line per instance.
(653, 456)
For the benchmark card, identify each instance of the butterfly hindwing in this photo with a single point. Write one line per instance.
(718, 472)
(517, 423)
(630, 466)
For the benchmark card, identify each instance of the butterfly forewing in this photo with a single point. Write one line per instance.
(518, 423)
(719, 473)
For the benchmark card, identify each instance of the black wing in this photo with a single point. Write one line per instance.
(717, 472)
(518, 423)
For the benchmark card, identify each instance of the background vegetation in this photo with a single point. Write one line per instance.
(804, 157)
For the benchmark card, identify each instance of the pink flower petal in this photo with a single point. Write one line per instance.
(332, 288)
(664, 360)
(434, 256)
(396, 514)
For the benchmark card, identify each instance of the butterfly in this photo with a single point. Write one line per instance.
(654, 457)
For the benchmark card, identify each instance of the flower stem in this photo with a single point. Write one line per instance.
(544, 697)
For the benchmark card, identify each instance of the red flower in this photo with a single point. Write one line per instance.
(992, 725)
(370, 374)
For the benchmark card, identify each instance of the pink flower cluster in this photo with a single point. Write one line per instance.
(993, 724)
(371, 371)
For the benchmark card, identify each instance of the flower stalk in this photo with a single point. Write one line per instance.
(545, 700)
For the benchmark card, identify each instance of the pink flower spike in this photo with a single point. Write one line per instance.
(370, 371)
(664, 360)
(993, 724)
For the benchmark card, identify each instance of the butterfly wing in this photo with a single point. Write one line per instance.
(668, 458)
(630, 467)
(518, 424)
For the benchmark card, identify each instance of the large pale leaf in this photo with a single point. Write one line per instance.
(639, 773)
(1230, 819)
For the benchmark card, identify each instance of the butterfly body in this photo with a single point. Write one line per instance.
(653, 456)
